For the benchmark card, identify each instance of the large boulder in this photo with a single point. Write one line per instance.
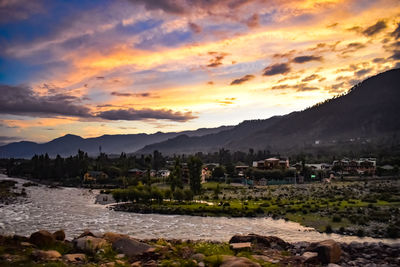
(59, 235)
(112, 237)
(261, 242)
(42, 238)
(86, 233)
(231, 261)
(130, 247)
(329, 251)
(46, 255)
(75, 258)
(241, 246)
(89, 243)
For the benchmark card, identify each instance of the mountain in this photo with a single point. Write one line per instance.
(367, 115)
(111, 144)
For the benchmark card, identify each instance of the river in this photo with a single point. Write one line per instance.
(73, 210)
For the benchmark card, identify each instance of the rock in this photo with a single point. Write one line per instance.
(108, 264)
(75, 258)
(112, 237)
(42, 238)
(310, 257)
(201, 264)
(136, 264)
(130, 247)
(59, 235)
(241, 246)
(328, 251)
(119, 262)
(86, 233)
(262, 258)
(120, 256)
(150, 263)
(46, 255)
(199, 257)
(231, 261)
(26, 244)
(261, 242)
(89, 243)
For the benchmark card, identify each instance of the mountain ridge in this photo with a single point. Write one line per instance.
(367, 112)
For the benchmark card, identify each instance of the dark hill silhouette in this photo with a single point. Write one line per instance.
(367, 114)
(111, 144)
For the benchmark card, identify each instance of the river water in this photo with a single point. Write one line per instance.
(73, 210)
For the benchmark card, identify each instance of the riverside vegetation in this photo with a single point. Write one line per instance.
(43, 248)
(369, 208)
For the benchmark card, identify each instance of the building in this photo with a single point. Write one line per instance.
(164, 173)
(271, 163)
(353, 166)
(93, 176)
(241, 170)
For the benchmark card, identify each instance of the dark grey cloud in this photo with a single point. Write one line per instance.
(310, 78)
(304, 59)
(131, 94)
(275, 69)
(145, 114)
(8, 138)
(253, 21)
(304, 87)
(195, 27)
(337, 86)
(396, 32)
(19, 9)
(284, 55)
(280, 87)
(21, 100)
(396, 55)
(361, 73)
(333, 25)
(374, 29)
(187, 6)
(355, 46)
(216, 61)
(378, 60)
(245, 78)
(301, 87)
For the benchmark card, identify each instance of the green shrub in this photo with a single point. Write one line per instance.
(328, 229)
(336, 218)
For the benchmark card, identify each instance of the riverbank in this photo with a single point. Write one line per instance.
(8, 192)
(348, 208)
(43, 248)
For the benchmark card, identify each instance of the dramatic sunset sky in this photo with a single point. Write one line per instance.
(130, 66)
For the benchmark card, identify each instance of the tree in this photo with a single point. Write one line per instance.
(179, 194)
(218, 172)
(195, 168)
(175, 178)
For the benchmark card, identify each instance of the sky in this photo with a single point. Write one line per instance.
(141, 66)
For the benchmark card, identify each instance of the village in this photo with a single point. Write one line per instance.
(270, 171)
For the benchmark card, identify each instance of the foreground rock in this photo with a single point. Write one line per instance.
(261, 242)
(130, 247)
(75, 258)
(231, 261)
(328, 251)
(112, 249)
(90, 244)
(42, 238)
(48, 255)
